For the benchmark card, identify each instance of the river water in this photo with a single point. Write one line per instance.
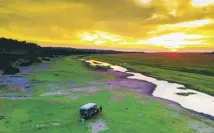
(187, 98)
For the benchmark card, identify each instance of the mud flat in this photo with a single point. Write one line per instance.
(19, 82)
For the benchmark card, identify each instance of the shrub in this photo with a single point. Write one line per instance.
(26, 63)
(46, 58)
(11, 70)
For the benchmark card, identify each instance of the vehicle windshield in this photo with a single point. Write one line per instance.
(83, 111)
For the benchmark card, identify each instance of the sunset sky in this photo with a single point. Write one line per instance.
(134, 25)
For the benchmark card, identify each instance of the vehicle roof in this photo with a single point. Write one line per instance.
(88, 106)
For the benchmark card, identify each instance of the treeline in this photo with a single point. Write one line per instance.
(23, 47)
(14, 53)
(209, 53)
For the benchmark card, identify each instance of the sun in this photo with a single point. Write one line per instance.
(173, 50)
(173, 41)
(202, 3)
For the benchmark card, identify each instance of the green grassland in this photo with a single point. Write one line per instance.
(37, 114)
(196, 71)
(67, 69)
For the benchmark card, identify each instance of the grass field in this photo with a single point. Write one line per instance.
(196, 71)
(60, 112)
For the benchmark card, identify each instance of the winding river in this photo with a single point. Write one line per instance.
(187, 98)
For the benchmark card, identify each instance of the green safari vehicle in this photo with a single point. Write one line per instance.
(88, 110)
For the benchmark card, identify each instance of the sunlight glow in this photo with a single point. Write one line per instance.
(196, 23)
(89, 37)
(180, 26)
(99, 37)
(144, 1)
(173, 13)
(174, 50)
(154, 16)
(173, 41)
(202, 3)
(146, 25)
(98, 42)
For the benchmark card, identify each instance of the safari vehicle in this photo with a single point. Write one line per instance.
(90, 109)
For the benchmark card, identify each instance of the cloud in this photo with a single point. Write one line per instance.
(184, 26)
(62, 21)
(202, 3)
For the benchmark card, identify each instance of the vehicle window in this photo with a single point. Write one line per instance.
(85, 112)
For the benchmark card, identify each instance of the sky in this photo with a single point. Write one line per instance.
(130, 25)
